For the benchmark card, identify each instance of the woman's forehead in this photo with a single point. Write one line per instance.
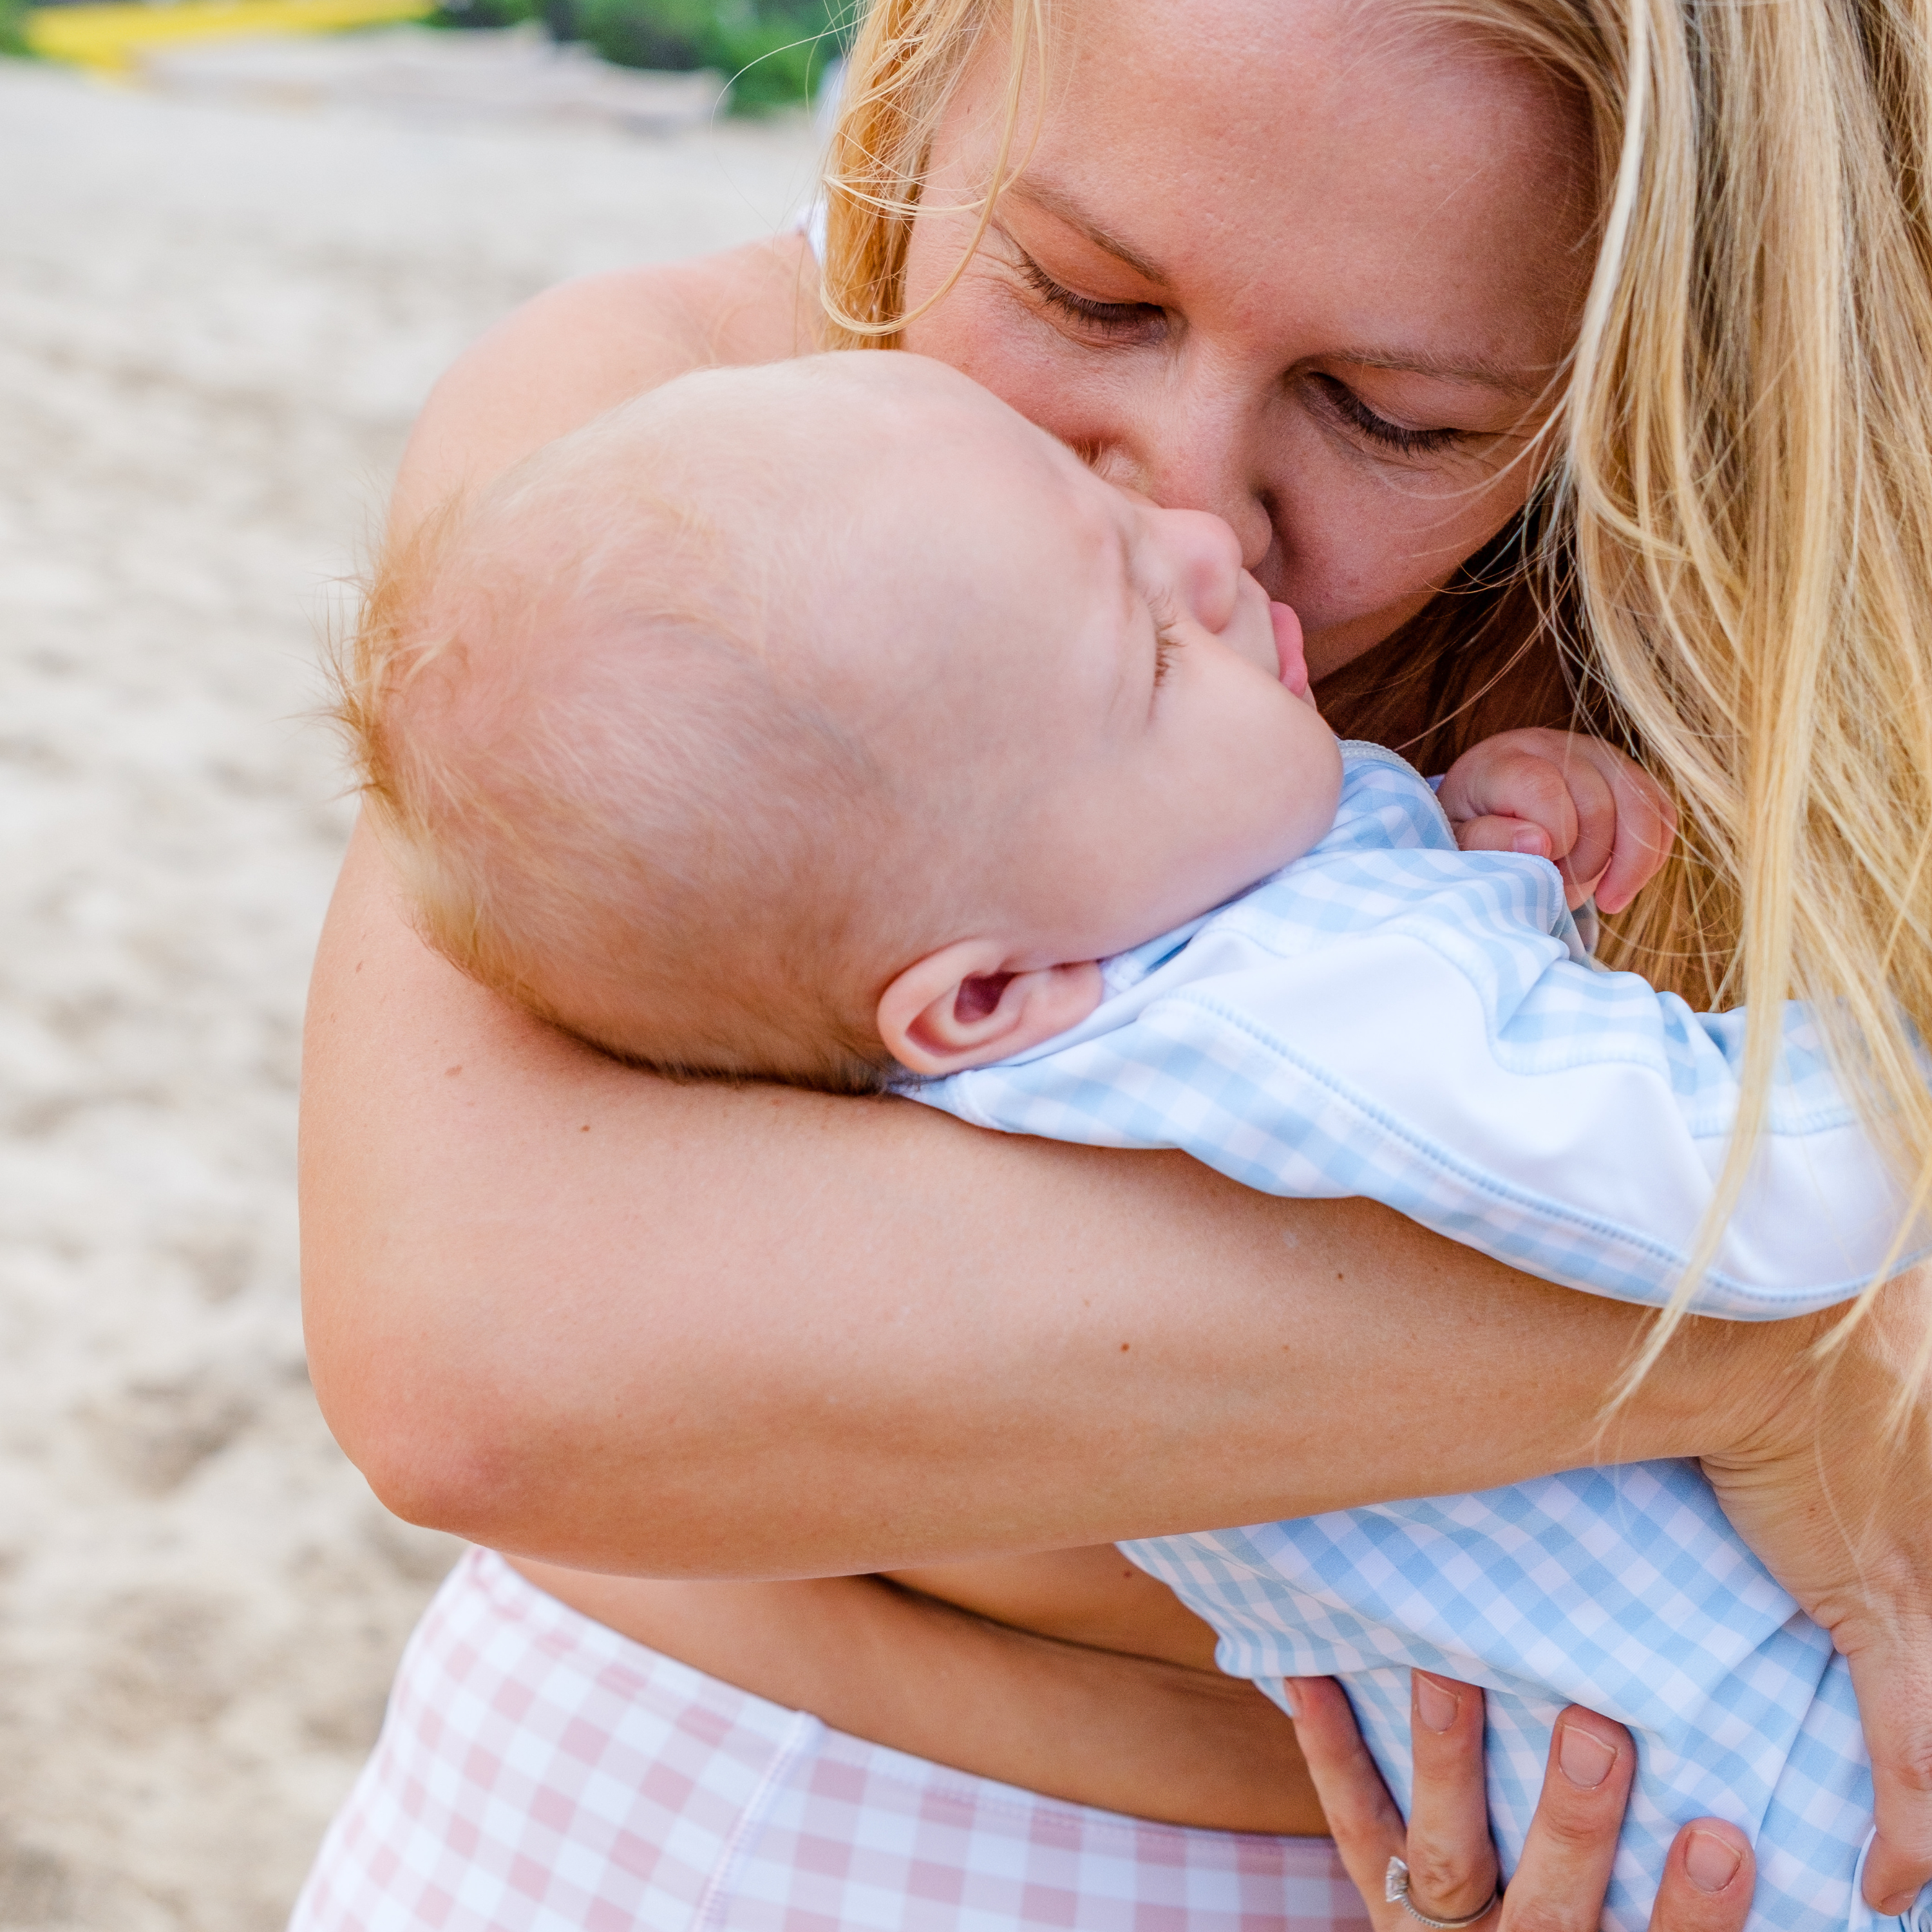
(1258, 73)
(1284, 156)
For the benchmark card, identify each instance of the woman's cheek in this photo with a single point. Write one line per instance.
(986, 333)
(1355, 541)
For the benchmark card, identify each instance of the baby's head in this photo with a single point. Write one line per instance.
(818, 719)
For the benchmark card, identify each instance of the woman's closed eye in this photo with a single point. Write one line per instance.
(1107, 321)
(1140, 322)
(1342, 404)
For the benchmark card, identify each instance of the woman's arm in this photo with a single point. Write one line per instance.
(586, 346)
(570, 1310)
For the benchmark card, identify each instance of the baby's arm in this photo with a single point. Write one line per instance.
(1558, 795)
(1387, 1018)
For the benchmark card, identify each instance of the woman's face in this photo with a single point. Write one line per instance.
(1292, 261)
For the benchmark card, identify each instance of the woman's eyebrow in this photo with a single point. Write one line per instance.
(1050, 201)
(1478, 372)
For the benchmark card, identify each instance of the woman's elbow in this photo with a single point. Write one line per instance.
(441, 1441)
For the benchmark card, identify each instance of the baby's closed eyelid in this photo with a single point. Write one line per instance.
(1166, 642)
(1167, 637)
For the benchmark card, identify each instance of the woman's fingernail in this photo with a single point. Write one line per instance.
(1435, 1706)
(1526, 838)
(1712, 1862)
(1585, 1758)
(1288, 1698)
(1897, 1905)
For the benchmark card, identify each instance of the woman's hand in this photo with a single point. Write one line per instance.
(1559, 1884)
(1833, 1490)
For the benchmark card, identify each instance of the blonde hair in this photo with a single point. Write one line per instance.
(1733, 541)
(602, 803)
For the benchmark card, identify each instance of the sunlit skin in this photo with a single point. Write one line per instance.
(1082, 721)
(1285, 211)
(1090, 683)
(1335, 328)
(1086, 722)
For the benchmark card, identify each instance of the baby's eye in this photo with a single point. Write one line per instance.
(1166, 643)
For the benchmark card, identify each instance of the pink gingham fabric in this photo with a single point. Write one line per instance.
(538, 1772)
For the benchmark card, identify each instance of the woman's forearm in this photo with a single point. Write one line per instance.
(565, 1309)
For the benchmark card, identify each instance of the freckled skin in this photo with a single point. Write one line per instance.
(1405, 198)
(1304, 195)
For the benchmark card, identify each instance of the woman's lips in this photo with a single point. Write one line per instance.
(1288, 648)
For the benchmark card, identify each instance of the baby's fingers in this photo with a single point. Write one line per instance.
(1498, 834)
(1516, 781)
(1645, 828)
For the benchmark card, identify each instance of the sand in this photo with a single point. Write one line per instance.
(215, 324)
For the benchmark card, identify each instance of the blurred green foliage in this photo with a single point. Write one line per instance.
(485, 13)
(14, 29)
(774, 52)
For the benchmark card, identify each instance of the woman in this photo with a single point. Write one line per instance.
(1327, 271)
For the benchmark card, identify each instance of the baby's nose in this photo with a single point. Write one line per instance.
(1209, 556)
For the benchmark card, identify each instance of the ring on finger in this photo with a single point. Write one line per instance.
(1395, 1892)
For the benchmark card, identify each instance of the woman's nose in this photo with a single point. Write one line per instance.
(1195, 453)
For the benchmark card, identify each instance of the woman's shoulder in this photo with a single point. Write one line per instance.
(582, 347)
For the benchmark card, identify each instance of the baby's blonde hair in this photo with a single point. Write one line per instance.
(601, 801)
(1738, 509)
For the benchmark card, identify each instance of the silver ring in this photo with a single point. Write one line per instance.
(1395, 1892)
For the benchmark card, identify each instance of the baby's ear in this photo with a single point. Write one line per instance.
(961, 1007)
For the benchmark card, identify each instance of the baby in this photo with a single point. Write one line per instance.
(710, 719)
(828, 721)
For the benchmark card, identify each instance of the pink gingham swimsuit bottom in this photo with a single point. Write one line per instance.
(537, 1772)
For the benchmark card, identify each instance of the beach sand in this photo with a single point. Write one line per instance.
(215, 325)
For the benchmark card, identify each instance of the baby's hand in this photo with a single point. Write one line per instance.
(1558, 795)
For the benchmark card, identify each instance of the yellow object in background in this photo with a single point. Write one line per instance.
(110, 38)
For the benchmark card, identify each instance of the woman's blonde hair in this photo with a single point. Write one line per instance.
(1732, 541)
